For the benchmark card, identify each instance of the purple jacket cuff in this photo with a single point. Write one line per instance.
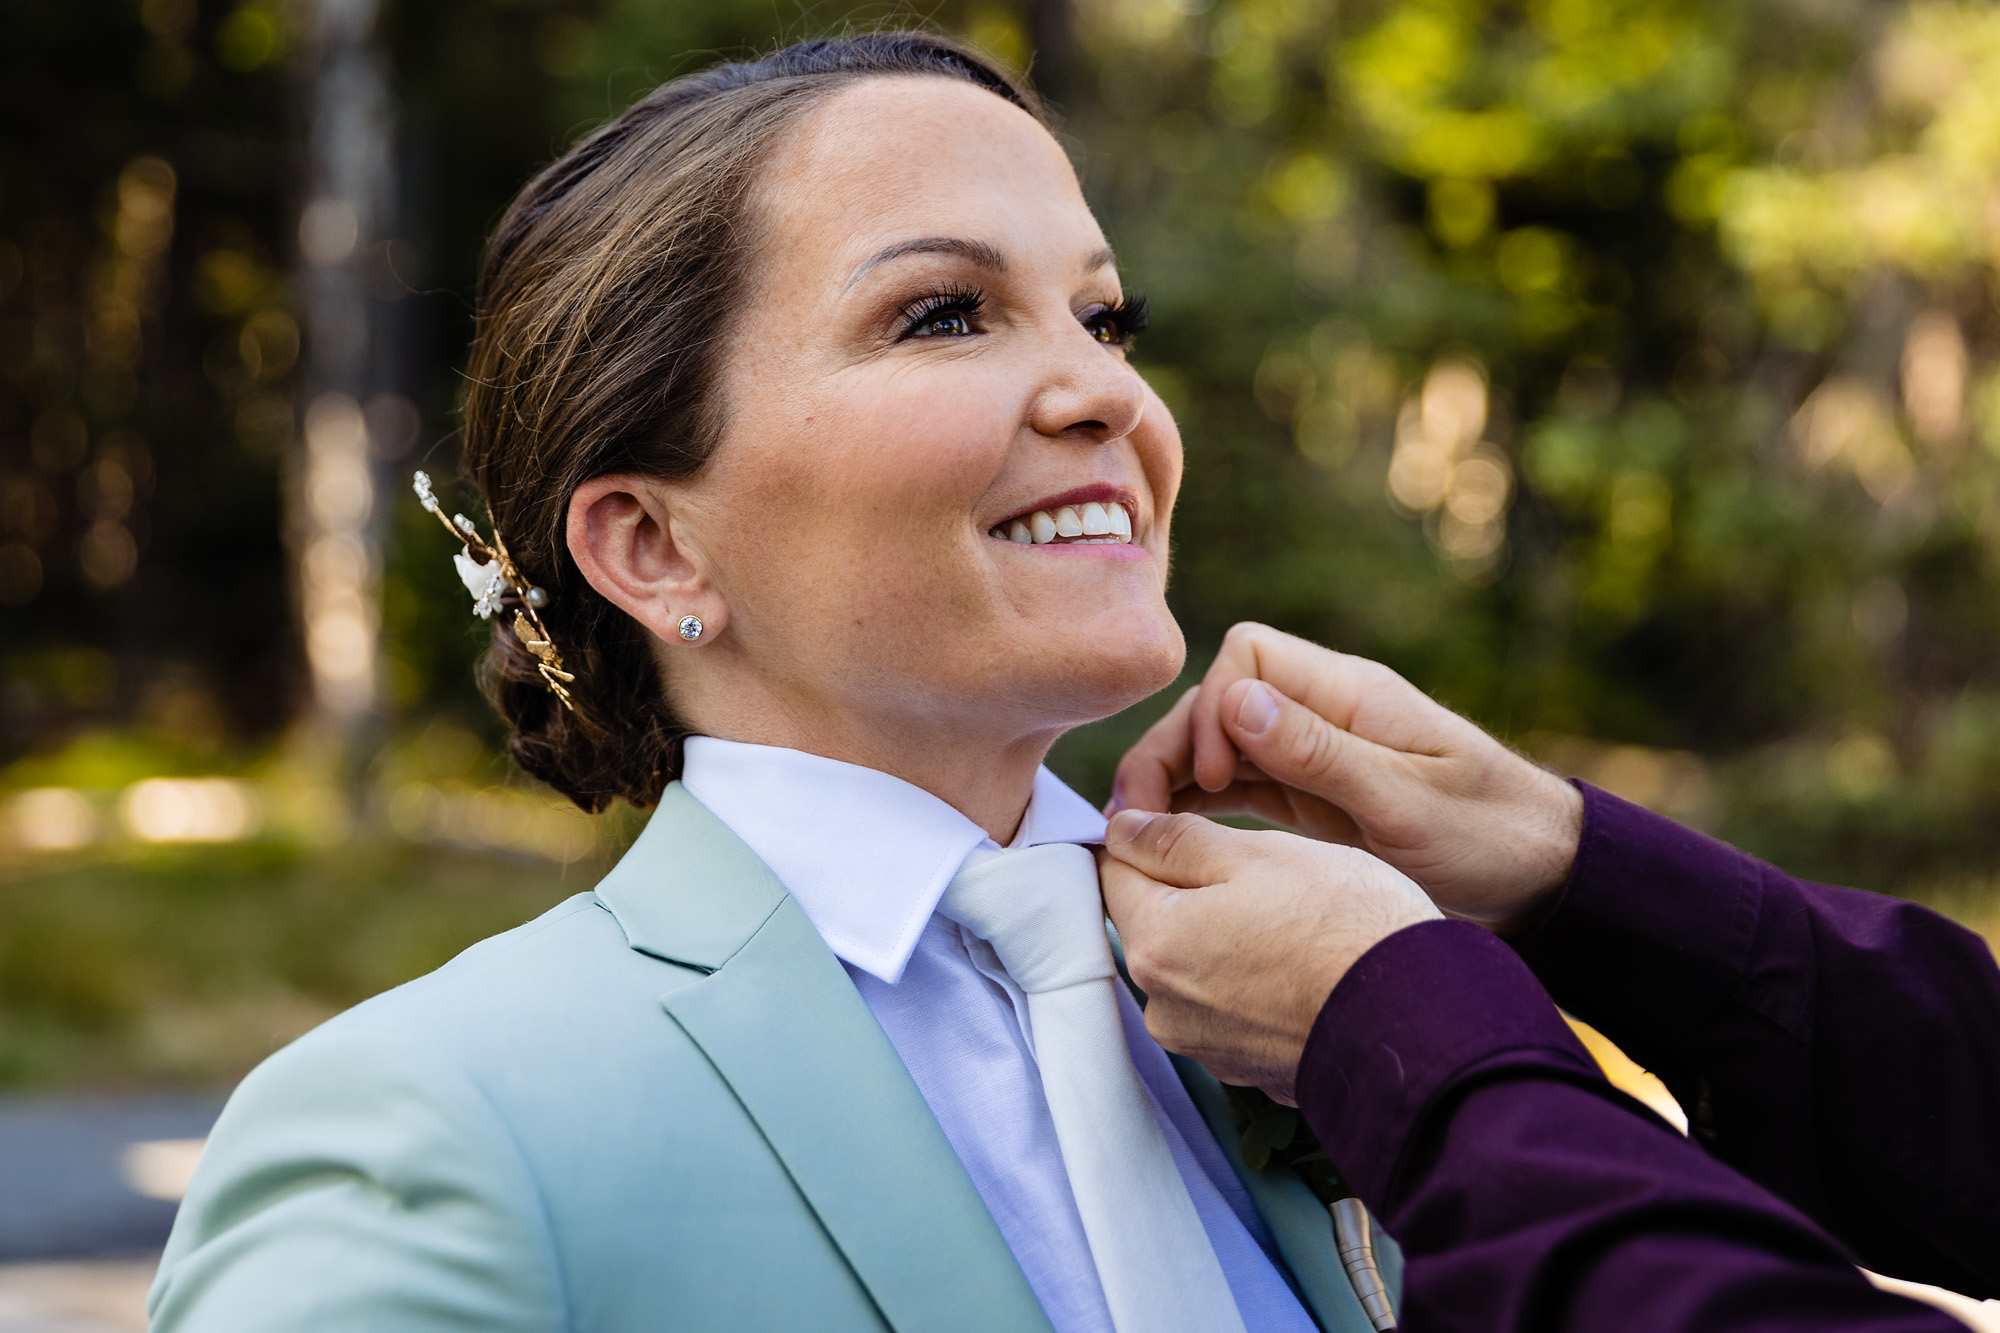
(1421, 1014)
(1654, 931)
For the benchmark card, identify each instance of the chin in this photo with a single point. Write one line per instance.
(1124, 658)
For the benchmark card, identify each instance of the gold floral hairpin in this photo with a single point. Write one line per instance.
(489, 573)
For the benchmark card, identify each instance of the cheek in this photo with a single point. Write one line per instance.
(860, 484)
(924, 446)
(1158, 441)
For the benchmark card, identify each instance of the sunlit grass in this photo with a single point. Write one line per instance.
(187, 965)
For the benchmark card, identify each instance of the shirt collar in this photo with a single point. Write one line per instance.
(866, 855)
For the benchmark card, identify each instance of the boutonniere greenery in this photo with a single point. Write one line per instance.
(1271, 1132)
(1274, 1134)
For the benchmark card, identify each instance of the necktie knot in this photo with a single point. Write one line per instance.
(1039, 908)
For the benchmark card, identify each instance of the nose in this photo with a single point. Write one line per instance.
(1088, 394)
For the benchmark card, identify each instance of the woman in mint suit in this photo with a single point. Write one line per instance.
(801, 408)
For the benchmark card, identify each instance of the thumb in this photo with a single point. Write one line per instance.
(1184, 851)
(1130, 896)
(1294, 745)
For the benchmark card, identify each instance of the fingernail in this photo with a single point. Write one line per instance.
(1117, 802)
(1127, 825)
(1258, 710)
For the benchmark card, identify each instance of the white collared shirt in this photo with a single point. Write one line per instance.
(867, 857)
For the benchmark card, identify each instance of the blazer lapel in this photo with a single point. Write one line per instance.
(1299, 1223)
(782, 1023)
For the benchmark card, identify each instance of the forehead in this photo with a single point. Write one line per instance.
(921, 155)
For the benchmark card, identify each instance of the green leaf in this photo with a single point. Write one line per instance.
(1256, 1147)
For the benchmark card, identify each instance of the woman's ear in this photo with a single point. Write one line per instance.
(626, 535)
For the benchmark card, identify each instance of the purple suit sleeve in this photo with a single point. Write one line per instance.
(1526, 1192)
(1841, 1049)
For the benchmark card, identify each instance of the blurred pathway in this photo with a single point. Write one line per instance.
(94, 1176)
(88, 1187)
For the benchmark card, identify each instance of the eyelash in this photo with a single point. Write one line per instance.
(968, 301)
(1127, 320)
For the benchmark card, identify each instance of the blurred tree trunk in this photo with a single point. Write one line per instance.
(1052, 36)
(335, 518)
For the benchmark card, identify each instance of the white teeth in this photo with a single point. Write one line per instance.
(1095, 523)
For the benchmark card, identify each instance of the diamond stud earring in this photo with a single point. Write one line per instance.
(690, 628)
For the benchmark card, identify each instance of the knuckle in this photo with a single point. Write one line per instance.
(1173, 830)
(1143, 964)
(1242, 640)
(1314, 748)
(1375, 675)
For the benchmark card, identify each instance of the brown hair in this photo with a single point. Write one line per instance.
(604, 304)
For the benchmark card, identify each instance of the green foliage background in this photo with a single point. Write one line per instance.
(1622, 371)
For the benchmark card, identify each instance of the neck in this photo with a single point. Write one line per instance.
(985, 775)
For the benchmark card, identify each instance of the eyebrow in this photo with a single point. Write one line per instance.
(974, 252)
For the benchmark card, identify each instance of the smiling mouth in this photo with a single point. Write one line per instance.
(1098, 523)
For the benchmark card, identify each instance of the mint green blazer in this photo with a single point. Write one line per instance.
(661, 1105)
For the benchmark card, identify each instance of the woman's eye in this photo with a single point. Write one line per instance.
(950, 313)
(943, 324)
(1118, 325)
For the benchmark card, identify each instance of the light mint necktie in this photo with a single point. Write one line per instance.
(1039, 909)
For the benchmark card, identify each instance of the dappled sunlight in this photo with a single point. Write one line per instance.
(1928, 203)
(1442, 467)
(427, 802)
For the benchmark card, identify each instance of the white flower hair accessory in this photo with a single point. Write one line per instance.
(489, 574)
